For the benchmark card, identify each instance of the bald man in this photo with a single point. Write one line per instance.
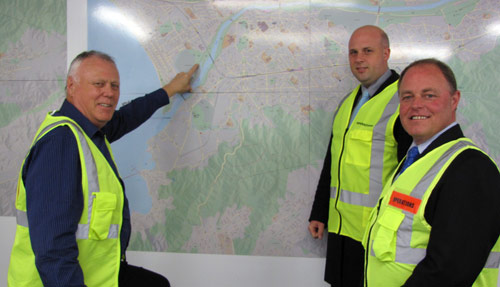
(366, 145)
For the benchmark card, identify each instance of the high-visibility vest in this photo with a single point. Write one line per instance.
(363, 158)
(98, 233)
(397, 237)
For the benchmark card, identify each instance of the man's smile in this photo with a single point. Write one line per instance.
(419, 117)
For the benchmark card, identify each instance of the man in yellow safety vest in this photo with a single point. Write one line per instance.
(437, 222)
(366, 145)
(73, 219)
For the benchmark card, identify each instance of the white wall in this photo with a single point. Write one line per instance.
(186, 270)
(8, 230)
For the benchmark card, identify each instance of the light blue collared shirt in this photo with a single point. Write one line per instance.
(378, 83)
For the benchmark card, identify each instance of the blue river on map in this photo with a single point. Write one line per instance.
(138, 76)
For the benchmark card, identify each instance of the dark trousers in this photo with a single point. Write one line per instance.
(344, 261)
(133, 276)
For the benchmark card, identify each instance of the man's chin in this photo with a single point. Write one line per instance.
(362, 78)
(102, 121)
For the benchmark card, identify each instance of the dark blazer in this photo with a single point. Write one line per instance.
(464, 213)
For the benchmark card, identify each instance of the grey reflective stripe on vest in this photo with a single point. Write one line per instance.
(404, 252)
(92, 179)
(21, 218)
(493, 260)
(376, 162)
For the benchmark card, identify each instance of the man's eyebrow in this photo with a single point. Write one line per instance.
(405, 92)
(425, 90)
(428, 90)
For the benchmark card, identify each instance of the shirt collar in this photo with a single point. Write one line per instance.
(378, 83)
(421, 147)
(70, 111)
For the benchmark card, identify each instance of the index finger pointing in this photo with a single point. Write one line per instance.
(193, 69)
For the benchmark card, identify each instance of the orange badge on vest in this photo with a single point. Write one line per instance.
(405, 202)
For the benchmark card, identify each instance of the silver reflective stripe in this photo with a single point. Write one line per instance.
(113, 231)
(92, 179)
(425, 182)
(378, 151)
(360, 199)
(493, 260)
(21, 218)
(333, 191)
(376, 162)
(404, 252)
(83, 231)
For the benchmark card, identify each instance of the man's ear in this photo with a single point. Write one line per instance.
(387, 54)
(455, 98)
(70, 85)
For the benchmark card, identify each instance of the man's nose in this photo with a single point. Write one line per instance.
(360, 57)
(108, 90)
(417, 102)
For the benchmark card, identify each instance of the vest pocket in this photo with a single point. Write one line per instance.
(358, 148)
(103, 207)
(384, 241)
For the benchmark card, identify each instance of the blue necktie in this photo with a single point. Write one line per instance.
(364, 98)
(410, 158)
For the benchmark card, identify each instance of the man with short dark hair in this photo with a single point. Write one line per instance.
(73, 218)
(437, 222)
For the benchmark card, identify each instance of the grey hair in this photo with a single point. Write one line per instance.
(75, 64)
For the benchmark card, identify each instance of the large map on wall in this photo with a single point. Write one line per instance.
(32, 78)
(232, 168)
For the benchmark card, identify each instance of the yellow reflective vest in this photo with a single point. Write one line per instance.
(98, 233)
(397, 237)
(363, 158)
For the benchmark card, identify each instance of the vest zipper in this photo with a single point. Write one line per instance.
(338, 180)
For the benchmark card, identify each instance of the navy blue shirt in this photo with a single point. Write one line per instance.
(54, 198)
